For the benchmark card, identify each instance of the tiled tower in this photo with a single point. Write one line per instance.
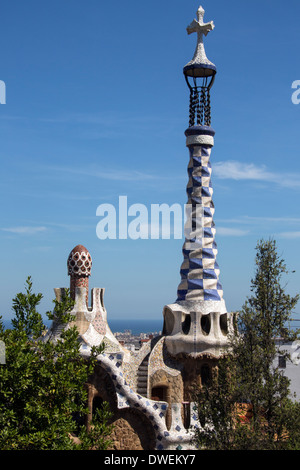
(198, 323)
(199, 270)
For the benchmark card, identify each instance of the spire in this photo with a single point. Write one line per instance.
(200, 73)
(197, 324)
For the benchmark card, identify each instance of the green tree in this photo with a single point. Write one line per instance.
(43, 398)
(248, 377)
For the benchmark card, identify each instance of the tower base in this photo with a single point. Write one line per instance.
(199, 328)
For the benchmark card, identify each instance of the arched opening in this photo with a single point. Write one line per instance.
(168, 322)
(97, 404)
(159, 393)
(205, 324)
(224, 324)
(186, 323)
(79, 418)
(186, 414)
(205, 375)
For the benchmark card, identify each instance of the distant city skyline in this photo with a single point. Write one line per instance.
(96, 107)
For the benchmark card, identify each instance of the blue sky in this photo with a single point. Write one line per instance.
(96, 107)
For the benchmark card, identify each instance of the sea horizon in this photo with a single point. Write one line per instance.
(136, 325)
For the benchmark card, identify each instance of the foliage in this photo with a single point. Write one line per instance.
(27, 318)
(247, 405)
(43, 398)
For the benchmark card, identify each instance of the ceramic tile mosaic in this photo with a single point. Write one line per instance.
(161, 360)
(155, 411)
(199, 270)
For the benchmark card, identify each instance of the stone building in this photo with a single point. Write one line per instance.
(150, 391)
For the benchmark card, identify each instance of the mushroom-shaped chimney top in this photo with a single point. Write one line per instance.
(79, 262)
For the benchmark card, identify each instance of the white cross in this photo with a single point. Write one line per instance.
(199, 27)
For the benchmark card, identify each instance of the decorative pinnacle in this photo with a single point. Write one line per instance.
(200, 66)
(79, 262)
(196, 26)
